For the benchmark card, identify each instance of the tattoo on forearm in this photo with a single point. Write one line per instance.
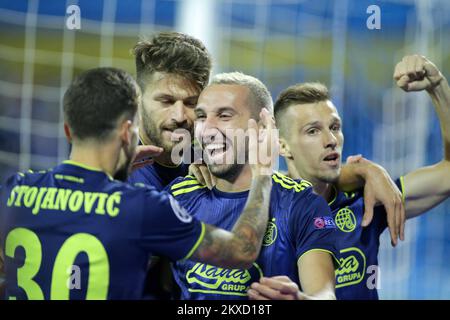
(248, 231)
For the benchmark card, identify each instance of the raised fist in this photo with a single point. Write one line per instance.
(416, 73)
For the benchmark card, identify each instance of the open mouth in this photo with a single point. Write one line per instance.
(332, 159)
(216, 151)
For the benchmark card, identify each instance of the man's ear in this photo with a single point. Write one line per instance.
(285, 151)
(67, 132)
(125, 132)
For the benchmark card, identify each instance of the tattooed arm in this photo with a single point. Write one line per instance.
(240, 247)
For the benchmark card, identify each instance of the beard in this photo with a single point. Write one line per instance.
(155, 134)
(330, 177)
(233, 161)
(227, 172)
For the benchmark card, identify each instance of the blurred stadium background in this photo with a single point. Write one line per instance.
(281, 42)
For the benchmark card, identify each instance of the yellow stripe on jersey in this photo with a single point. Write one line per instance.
(186, 190)
(289, 183)
(335, 192)
(303, 183)
(402, 184)
(184, 184)
(81, 165)
(336, 261)
(197, 243)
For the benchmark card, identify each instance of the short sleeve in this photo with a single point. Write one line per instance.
(313, 225)
(167, 228)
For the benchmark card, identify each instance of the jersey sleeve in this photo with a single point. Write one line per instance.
(167, 228)
(313, 227)
(176, 181)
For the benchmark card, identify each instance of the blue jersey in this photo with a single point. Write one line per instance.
(74, 232)
(157, 175)
(299, 221)
(356, 278)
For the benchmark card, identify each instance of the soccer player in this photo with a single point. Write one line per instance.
(76, 221)
(314, 125)
(299, 241)
(172, 68)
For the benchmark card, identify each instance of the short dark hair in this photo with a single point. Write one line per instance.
(96, 100)
(301, 93)
(172, 52)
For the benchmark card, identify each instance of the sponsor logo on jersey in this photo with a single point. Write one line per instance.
(352, 267)
(209, 279)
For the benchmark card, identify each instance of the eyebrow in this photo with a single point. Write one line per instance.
(312, 123)
(221, 109)
(317, 123)
(198, 111)
(170, 96)
(336, 119)
(193, 99)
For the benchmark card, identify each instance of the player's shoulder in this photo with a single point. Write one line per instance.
(186, 186)
(27, 177)
(342, 199)
(144, 171)
(139, 196)
(132, 187)
(284, 185)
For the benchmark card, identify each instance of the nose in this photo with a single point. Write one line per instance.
(206, 130)
(330, 140)
(179, 112)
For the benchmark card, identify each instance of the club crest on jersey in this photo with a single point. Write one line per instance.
(345, 220)
(352, 267)
(271, 233)
(324, 223)
(205, 278)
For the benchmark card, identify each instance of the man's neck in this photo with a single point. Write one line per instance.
(95, 156)
(323, 189)
(242, 182)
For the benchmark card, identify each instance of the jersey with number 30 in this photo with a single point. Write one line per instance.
(74, 232)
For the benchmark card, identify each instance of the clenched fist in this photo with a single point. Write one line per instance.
(416, 73)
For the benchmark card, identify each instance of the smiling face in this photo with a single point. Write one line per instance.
(222, 115)
(315, 140)
(168, 104)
